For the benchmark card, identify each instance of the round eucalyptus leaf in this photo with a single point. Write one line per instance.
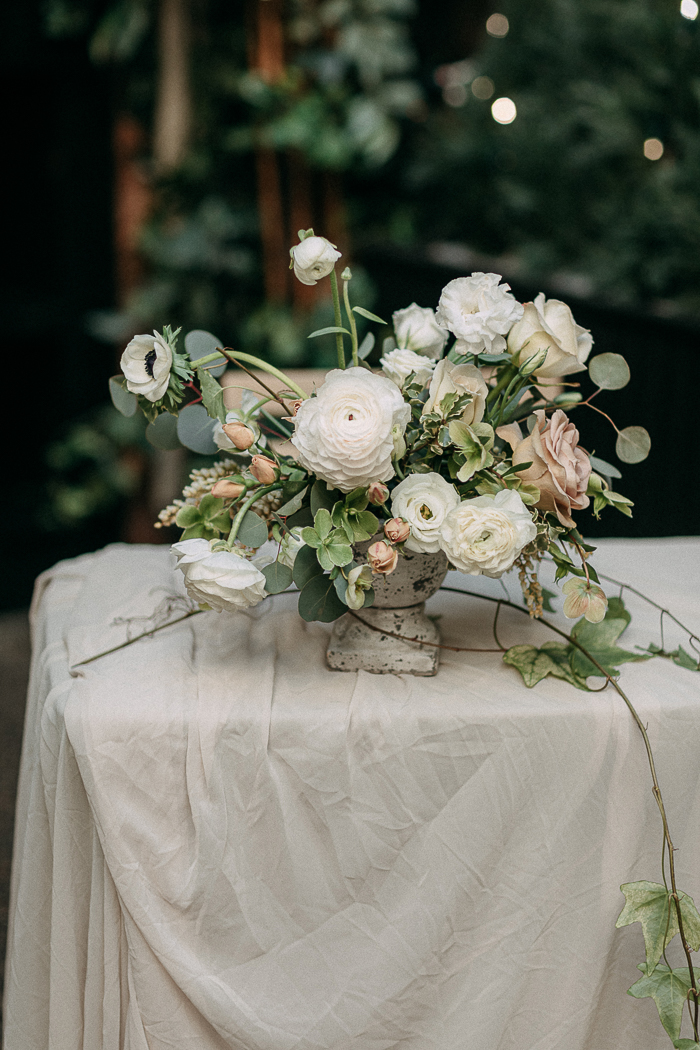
(318, 600)
(609, 371)
(122, 399)
(162, 432)
(633, 444)
(195, 430)
(277, 577)
(253, 530)
(199, 343)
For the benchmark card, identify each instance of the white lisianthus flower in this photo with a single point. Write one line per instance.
(479, 311)
(484, 536)
(359, 581)
(345, 435)
(146, 363)
(424, 501)
(449, 378)
(223, 580)
(313, 259)
(548, 324)
(290, 546)
(416, 329)
(397, 366)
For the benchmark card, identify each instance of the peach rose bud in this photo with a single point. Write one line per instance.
(397, 530)
(226, 489)
(382, 558)
(377, 493)
(238, 433)
(264, 469)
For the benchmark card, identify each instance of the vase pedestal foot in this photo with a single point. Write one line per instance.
(356, 647)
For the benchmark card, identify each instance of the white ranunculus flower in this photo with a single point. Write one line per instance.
(449, 378)
(484, 536)
(424, 500)
(416, 329)
(224, 580)
(313, 259)
(397, 366)
(146, 363)
(345, 435)
(548, 324)
(479, 311)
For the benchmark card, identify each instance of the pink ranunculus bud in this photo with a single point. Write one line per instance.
(264, 470)
(382, 558)
(239, 434)
(377, 493)
(397, 530)
(226, 489)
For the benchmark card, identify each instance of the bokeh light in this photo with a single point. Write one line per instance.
(689, 9)
(483, 87)
(504, 110)
(497, 25)
(653, 149)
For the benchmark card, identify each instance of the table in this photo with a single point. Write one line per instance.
(221, 844)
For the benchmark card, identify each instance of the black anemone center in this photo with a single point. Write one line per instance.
(149, 362)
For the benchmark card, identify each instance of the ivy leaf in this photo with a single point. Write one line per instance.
(212, 395)
(277, 577)
(686, 1044)
(305, 566)
(649, 904)
(319, 601)
(668, 988)
(600, 640)
(253, 530)
(684, 659)
(534, 664)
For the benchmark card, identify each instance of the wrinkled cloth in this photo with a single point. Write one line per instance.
(222, 845)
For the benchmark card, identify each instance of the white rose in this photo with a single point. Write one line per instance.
(485, 535)
(548, 324)
(397, 366)
(449, 378)
(223, 580)
(424, 500)
(313, 259)
(416, 329)
(479, 311)
(146, 364)
(345, 435)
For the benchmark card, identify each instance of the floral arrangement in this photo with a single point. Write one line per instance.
(461, 443)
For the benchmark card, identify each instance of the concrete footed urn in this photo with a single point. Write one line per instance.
(399, 608)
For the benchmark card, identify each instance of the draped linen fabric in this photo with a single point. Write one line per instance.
(222, 845)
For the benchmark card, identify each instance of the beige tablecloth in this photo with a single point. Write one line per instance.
(222, 845)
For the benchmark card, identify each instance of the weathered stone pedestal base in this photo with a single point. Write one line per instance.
(356, 647)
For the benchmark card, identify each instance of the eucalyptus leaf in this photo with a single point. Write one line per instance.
(322, 496)
(277, 577)
(366, 346)
(602, 467)
(294, 504)
(162, 432)
(366, 313)
(253, 530)
(199, 343)
(609, 371)
(122, 399)
(319, 601)
(633, 445)
(195, 430)
(305, 566)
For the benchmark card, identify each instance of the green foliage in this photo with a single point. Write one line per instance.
(609, 371)
(277, 577)
(331, 544)
(212, 395)
(319, 600)
(122, 399)
(668, 988)
(207, 521)
(632, 445)
(252, 531)
(306, 566)
(195, 429)
(162, 432)
(651, 905)
(566, 661)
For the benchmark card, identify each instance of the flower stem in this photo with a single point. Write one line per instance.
(338, 319)
(236, 355)
(351, 320)
(245, 507)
